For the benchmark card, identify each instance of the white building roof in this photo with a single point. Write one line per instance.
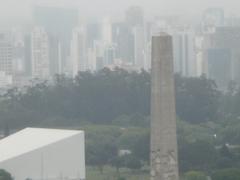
(30, 139)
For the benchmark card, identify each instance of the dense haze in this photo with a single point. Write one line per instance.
(116, 70)
(21, 9)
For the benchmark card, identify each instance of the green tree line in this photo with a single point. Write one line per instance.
(113, 107)
(104, 97)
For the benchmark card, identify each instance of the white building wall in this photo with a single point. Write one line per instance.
(61, 160)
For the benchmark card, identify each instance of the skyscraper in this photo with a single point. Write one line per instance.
(134, 16)
(59, 24)
(79, 51)
(6, 53)
(164, 159)
(184, 54)
(55, 56)
(222, 53)
(109, 55)
(139, 47)
(213, 17)
(40, 53)
(106, 31)
(123, 37)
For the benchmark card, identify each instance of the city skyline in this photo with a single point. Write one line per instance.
(58, 42)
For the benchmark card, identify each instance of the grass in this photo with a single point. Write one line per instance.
(110, 173)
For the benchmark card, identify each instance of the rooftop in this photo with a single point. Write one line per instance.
(30, 139)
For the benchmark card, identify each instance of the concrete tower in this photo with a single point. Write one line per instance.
(164, 159)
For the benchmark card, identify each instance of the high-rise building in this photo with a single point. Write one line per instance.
(219, 61)
(184, 54)
(55, 56)
(5, 80)
(6, 53)
(91, 56)
(19, 59)
(232, 21)
(28, 55)
(98, 50)
(212, 18)
(59, 23)
(94, 32)
(222, 54)
(79, 51)
(40, 53)
(199, 49)
(123, 37)
(109, 55)
(134, 16)
(139, 47)
(106, 31)
(134, 35)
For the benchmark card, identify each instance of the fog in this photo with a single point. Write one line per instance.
(154, 84)
(21, 9)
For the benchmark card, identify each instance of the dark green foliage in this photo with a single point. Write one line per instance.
(113, 107)
(118, 162)
(226, 174)
(121, 178)
(101, 155)
(132, 162)
(4, 175)
(225, 152)
(103, 97)
(227, 159)
(197, 99)
(100, 147)
(137, 140)
(199, 155)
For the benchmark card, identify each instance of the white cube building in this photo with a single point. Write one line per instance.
(44, 154)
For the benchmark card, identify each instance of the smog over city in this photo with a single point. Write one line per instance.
(119, 90)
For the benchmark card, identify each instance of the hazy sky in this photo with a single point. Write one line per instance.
(22, 8)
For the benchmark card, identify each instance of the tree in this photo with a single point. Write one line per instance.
(100, 146)
(132, 162)
(4, 175)
(226, 174)
(224, 151)
(104, 96)
(137, 140)
(101, 155)
(197, 99)
(199, 155)
(117, 162)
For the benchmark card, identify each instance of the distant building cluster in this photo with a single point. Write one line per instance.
(58, 42)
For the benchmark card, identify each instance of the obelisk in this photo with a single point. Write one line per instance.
(164, 158)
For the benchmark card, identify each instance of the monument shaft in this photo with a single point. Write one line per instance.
(164, 158)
